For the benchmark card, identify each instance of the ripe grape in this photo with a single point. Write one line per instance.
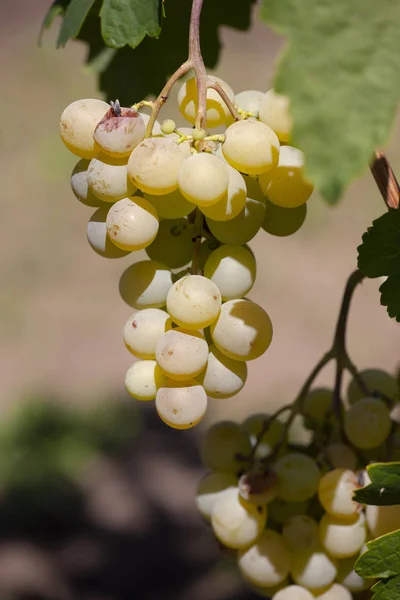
(254, 424)
(108, 179)
(382, 519)
(98, 238)
(282, 221)
(182, 354)
(232, 269)
(242, 228)
(145, 284)
(249, 100)
(313, 569)
(210, 488)
(341, 456)
(222, 445)
(267, 562)
(77, 125)
(173, 243)
(217, 111)
(154, 164)
(349, 578)
(293, 592)
(232, 202)
(80, 187)
(335, 493)
(142, 380)
(168, 126)
(375, 380)
(335, 592)
(181, 404)
(170, 206)
(300, 532)
(367, 423)
(286, 185)
(243, 330)
(203, 179)
(274, 111)
(298, 477)
(194, 302)
(143, 330)
(279, 510)
(342, 538)
(222, 377)
(259, 485)
(317, 404)
(132, 223)
(118, 134)
(251, 147)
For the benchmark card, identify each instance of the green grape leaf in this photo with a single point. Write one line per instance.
(384, 489)
(74, 17)
(58, 7)
(390, 296)
(388, 589)
(127, 22)
(381, 558)
(340, 71)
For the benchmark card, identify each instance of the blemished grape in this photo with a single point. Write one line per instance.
(367, 423)
(98, 238)
(80, 187)
(258, 486)
(194, 302)
(281, 221)
(118, 134)
(173, 244)
(203, 179)
(182, 354)
(217, 111)
(249, 100)
(342, 538)
(314, 569)
(317, 404)
(375, 380)
(382, 519)
(181, 404)
(243, 330)
(145, 284)
(143, 330)
(222, 445)
(298, 476)
(132, 223)
(142, 380)
(335, 493)
(242, 228)
(154, 164)
(222, 377)
(146, 119)
(251, 147)
(267, 562)
(232, 269)
(254, 424)
(341, 456)
(232, 202)
(210, 488)
(274, 111)
(168, 126)
(108, 179)
(293, 592)
(286, 185)
(170, 206)
(77, 125)
(335, 592)
(300, 532)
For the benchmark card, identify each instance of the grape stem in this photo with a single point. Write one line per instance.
(218, 88)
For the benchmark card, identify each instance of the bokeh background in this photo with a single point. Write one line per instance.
(96, 496)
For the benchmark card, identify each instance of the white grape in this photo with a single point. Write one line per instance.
(300, 532)
(342, 538)
(77, 125)
(232, 202)
(222, 446)
(143, 330)
(182, 354)
(335, 592)
(146, 119)
(142, 380)
(217, 111)
(341, 456)
(154, 164)
(382, 519)
(349, 578)
(267, 562)
(181, 404)
(298, 476)
(243, 330)
(98, 238)
(173, 244)
(210, 488)
(293, 592)
(222, 377)
(118, 134)
(317, 404)
(108, 179)
(254, 424)
(132, 223)
(335, 493)
(203, 179)
(170, 206)
(281, 221)
(242, 228)
(249, 100)
(274, 111)
(367, 423)
(194, 302)
(80, 187)
(251, 147)
(314, 569)
(376, 380)
(145, 284)
(232, 269)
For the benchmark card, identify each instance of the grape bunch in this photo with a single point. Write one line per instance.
(192, 200)
(283, 508)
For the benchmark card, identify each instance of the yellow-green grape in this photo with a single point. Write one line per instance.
(182, 354)
(108, 179)
(274, 111)
(80, 187)
(168, 126)
(203, 179)
(232, 269)
(132, 223)
(146, 119)
(280, 511)
(243, 227)
(170, 206)
(317, 404)
(293, 592)
(298, 476)
(259, 485)
(335, 592)
(254, 424)
(335, 493)
(142, 380)
(143, 330)
(194, 302)
(154, 164)
(173, 243)
(145, 284)
(222, 446)
(375, 380)
(382, 519)
(77, 125)
(281, 221)
(222, 376)
(198, 134)
(210, 489)
(251, 147)
(340, 537)
(349, 578)
(286, 185)
(217, 111)
(118, 134)
(249, 100)
(314, 569)
(232, 202)
(243, 330)
(367, 423)
(300, 532)
(181, 404)
(98, 238)
(341, 456)
(267, 562)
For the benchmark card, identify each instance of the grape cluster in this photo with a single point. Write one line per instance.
(288, 519)
(193, 200)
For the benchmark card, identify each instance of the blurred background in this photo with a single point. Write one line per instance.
(96, 495)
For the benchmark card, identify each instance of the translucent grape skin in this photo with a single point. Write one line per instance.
(232, 269)
(232, 202)
(251, 147)
(267, 562)
(173, 244)
(132, 223)
(274, 111)
(181, 404)
(335, 493)
(80, 187)
(367, 423)
(210, 488)
(108, 179)
(143, 330)
(342, 538)
(194, 302)
(203, 179)
(77, 125)
(145, 284)
(281, 221)
(217, 111)
(222, 376)
(98, 238)
(182, 354)
(142, 379)
(221, 445)
(170, 206)
(376, 380)
(298, 476)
